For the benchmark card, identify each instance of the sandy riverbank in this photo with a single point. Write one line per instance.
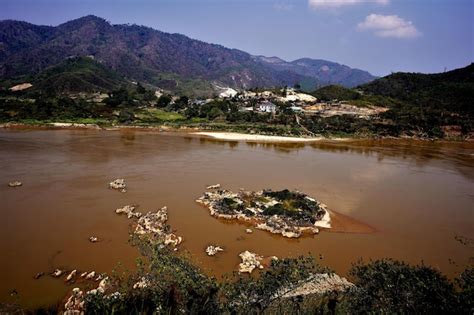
(198, 131)
(257, 138)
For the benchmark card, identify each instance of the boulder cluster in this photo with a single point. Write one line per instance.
(153, 225)
(118, 184)
(212, 250)
(250, 261)
(75, 303)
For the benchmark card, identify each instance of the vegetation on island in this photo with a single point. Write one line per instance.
(293, 204)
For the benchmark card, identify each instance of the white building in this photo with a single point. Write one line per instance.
(267, 107)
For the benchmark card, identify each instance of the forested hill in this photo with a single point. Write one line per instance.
(161, 59)
(452, 91)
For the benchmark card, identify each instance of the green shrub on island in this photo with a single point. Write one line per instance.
(295, 205)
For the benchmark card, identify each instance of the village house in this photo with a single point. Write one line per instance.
(267, 107)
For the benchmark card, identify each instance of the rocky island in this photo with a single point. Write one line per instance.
(285, 212)
(153, 225)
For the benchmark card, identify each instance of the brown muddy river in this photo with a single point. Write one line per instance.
(418, 195)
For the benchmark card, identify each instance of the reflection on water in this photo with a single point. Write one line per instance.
(417, 194)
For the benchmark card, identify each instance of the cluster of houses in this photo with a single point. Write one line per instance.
(269, 101)
(266, 102)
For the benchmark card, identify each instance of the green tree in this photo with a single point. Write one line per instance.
(163, 101)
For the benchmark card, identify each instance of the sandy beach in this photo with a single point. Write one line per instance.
(259, 138)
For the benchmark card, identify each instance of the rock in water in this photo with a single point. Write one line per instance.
(250, 261)
(129, 210)
(39, 275)
(15, 184)
(289, 213)
(71, 275)
(211, 250)
(93, 239)
(90, 275)
(154, 225)
(118, 184)
(57, 273)
(216, 186)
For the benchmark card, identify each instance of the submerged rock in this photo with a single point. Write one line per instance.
(39, 275)
(212, 250)
(15, 184)
(250, 261)
(129, 210)
(93, 239)
(248, 231)
(118, 184)
(289, 213)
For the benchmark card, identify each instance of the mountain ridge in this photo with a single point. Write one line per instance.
(145, 54)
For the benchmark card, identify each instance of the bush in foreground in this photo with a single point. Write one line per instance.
(175, 285)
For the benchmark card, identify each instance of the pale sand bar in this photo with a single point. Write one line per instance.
(249, 137)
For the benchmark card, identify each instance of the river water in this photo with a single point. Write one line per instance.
(418, 196)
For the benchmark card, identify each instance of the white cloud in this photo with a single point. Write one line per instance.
(389, 26)
(325, 4)
(283, 6)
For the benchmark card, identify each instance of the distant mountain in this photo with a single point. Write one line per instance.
(325, 72)
(161, 59)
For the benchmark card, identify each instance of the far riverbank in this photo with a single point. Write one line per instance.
(224, 132)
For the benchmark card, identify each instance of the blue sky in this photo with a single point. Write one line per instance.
(380, 36)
